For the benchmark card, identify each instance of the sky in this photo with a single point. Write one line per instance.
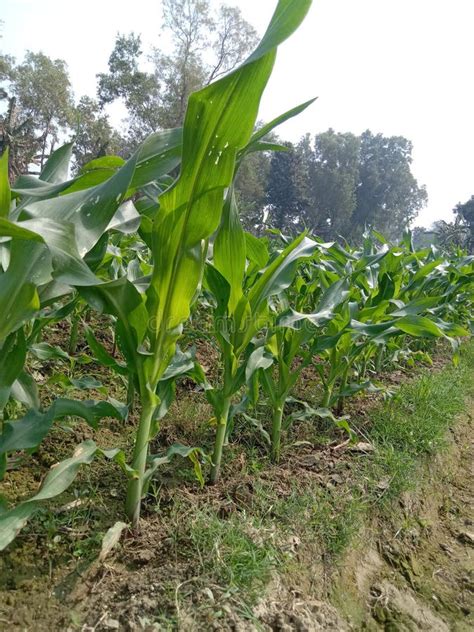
(398, 67)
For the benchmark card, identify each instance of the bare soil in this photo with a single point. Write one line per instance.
(412, 571)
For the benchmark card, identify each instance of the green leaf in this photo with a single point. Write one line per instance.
(121, 299)
(418, 326)
(58, 479)
(229, 250)
(279, 273)
(30, 265)
(5, 193)
(269, 127)
(219, 122)
(90, 210)
(177, 449)
(45, 351)
(25, 391)
(28, 432)
(256, 250)
(158, 155)
(56, 169)
(12, 360)
(104, 162)
(101, 353)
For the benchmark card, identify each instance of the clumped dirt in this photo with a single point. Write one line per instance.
(411, 571)
(416, 570)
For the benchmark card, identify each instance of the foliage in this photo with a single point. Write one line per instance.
(157, 99)
(148, 249)
(341, 184)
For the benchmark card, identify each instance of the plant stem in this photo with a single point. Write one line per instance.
(74, 335)
(140, 453)
(130, 393)
(276, 432)
(219, 442)
(327, 397)
(342, 386)
(379, 359)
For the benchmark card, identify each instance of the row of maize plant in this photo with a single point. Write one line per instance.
(161, 256)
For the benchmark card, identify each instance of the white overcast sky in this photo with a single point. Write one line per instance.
(400, 67)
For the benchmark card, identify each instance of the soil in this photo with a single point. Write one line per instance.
(414, 571)
(409, 570)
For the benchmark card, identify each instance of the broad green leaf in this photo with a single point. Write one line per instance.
(279, 273)
(56, 169)
(30, 265)
(104, 162)
(121, 299)
(28, 432)
(219, 122)
(258, 359)
(25, 391)
(59, 478)
(5, 193)
(158, 155)
(45, 351)
(102, 355)
(256, 250)
(229, 250)
(418, 326)
(90, 210)
(269, 127)
(12, 360)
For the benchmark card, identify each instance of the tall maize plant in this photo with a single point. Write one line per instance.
(218, 125)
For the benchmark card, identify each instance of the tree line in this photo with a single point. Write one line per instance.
(333, 183)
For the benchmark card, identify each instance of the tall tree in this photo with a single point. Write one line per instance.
(251, 189)
(43, 90)
(465, 218)
(39, 108)
(139, 90)
(388, 195)
(286, 202)
(93, 134)
(335, 178)
(205, 45)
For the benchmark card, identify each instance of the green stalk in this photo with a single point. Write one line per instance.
(379, 359)
(342, 386)
(74, 335)
(130, 393)
(140, 454)
(276, 432)
(219, 442)
(327, 396)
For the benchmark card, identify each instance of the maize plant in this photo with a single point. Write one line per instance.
(129, 240)
(54, 234)
(242, 309)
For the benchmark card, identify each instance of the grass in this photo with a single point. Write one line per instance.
(287, 516)
(405, 430)
(413, 424)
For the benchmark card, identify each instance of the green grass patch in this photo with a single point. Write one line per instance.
(413, 425)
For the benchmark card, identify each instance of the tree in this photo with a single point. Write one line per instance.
(465, 218)
(251, 185)
(285, 199)
(204, 46)
(388, 195)
(44, 96)
(39, 108)
(93, 134)
(139, 90)
(335, 177)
